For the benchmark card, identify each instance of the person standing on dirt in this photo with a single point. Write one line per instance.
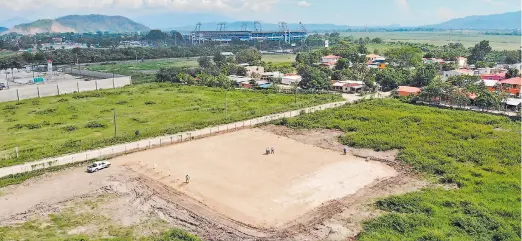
(187, 179)
(272, 150)
(345, 150)
(267, 151)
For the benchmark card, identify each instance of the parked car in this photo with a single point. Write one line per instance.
(96, 166)
(3, 86)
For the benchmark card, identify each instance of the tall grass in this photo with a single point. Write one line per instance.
(479, 153)
(70, 123)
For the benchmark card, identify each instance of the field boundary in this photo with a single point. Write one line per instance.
(127, 148)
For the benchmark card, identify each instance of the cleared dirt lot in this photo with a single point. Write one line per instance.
(307, 190)
(231, 174)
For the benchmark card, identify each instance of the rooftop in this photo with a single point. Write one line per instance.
(331, 56)
(512, 81)
(409, 89)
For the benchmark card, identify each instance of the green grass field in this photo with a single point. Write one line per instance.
(279, 58)
(467, 38)
(69, 123)
(478, 153)
(144, 67)
(144, 71)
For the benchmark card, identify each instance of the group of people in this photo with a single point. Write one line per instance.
(269, 150)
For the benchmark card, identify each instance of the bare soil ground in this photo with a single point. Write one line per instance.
(307, 190)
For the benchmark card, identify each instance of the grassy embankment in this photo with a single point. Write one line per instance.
(71, 123)
(467, 38)
(480, 153)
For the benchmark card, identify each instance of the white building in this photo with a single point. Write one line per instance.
(456, 72)
(291, 79)
(227, 54)
(462, 62)
(330, 59)
(254, 70)
(348, 86)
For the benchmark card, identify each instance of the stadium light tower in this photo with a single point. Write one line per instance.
(257, 26)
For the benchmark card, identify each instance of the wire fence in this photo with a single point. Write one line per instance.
(123, 149)
(44, 90)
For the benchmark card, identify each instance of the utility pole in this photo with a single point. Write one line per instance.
(114, 122)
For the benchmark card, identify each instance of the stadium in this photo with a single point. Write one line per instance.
(225, 36)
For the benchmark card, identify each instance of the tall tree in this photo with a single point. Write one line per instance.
(512, 73)
(313, 78)
(156, 35)
(205, 62)
(342, 64)
(424, 75)
(404, 57)
(479, 52)
(250, 56)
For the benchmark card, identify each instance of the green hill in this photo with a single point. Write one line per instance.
(510, 20)
(81, 24)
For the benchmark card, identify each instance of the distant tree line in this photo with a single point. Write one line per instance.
(86, 55)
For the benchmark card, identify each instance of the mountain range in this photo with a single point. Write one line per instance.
(184, 22)
(80, 24)
(504, 21)
(510, 20)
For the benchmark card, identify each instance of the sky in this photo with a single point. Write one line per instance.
(345, 12)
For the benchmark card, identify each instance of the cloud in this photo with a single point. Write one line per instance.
(176, 5)
(403, 4)
(493, 2)
(304, 4)
(445, 14)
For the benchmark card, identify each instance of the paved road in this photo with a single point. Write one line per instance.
(122, 149)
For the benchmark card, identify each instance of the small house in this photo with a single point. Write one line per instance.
(408, 90)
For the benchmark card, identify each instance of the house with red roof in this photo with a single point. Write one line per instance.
(511, 85)
(408, 90)
(330, 60)
(493, 76)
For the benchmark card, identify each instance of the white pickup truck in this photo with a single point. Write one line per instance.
(96, 166)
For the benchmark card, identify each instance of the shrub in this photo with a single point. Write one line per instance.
(70, 128)
(177, 235)
(33, 126)
(150, 103)
(121, 102)
(94, 125)
(45, 112)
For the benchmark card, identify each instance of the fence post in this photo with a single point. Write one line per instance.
(149, 144)
(58, 89)
(38, 89)
(171, 140)
(113, 86)
(16, 150)
(160, 141)
(181, 137)
(138, 144)
(78, 86)
(17, 95)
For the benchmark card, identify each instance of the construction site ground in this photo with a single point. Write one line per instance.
(307, 190)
